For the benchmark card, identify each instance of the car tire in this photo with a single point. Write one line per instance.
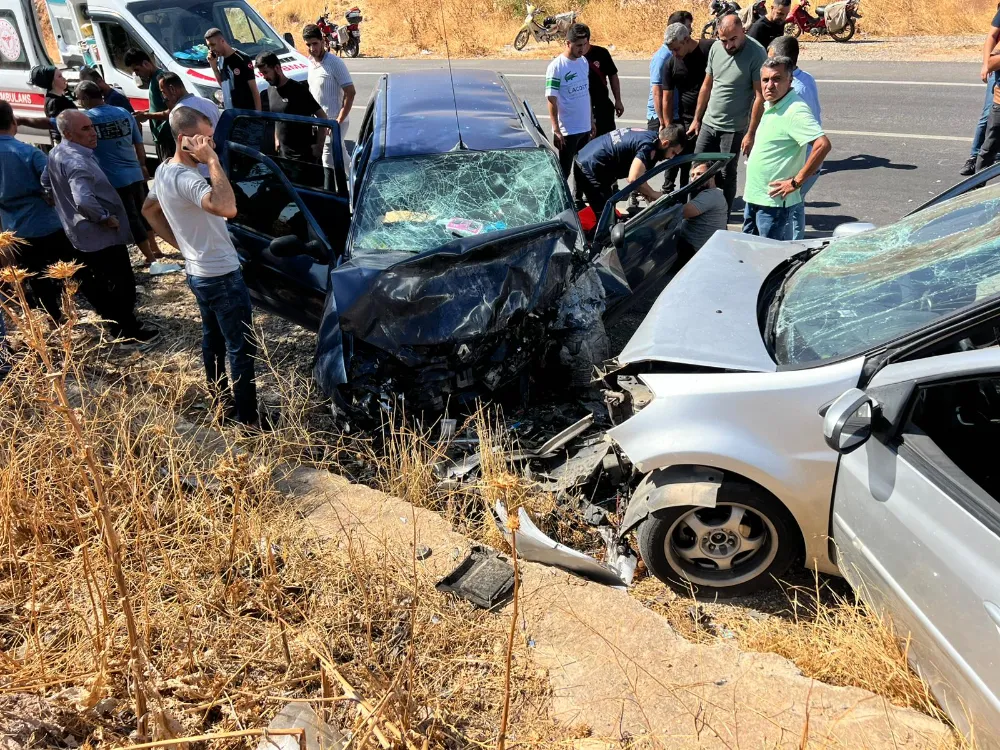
(685, 546)
(521, 40)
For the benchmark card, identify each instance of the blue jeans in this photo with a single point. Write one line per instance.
(977, 139)
(773, 222)
(799, 210)
(226, 328)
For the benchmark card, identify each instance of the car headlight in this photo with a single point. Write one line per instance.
(209, 92)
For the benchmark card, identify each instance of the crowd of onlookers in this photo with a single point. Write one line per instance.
(740, 94)
(88, 199)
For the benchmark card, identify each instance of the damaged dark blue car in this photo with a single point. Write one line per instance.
(446, 263)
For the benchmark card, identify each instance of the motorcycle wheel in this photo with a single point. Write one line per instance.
(709, 31)
(846, 33)
(352, 48)
(793, 29)
(521, 40)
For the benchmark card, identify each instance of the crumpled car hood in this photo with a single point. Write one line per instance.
(410, 306)
(707, 315)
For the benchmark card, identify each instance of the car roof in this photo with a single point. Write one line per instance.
(426, 114)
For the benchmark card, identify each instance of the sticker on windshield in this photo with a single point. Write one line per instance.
(10, 42)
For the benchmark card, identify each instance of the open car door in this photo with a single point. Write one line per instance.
(916, 520)
(292, 217)
(641, 250)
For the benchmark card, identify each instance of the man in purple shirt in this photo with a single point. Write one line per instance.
(94, 218)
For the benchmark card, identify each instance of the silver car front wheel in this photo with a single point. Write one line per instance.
(741, 545)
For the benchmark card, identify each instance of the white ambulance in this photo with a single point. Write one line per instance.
(100, 32)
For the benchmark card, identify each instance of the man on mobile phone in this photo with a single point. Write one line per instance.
(234, 72)
(191, 215)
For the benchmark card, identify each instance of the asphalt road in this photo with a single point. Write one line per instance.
(900, 131)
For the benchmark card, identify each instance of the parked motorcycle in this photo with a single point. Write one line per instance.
(550, 29)
(342, 38)
(800, 20)
(720, 8)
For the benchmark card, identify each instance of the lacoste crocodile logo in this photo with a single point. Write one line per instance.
(570, 76)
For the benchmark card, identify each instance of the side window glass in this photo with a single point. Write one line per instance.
(243, 29)
(264, 205)
(366, 152)
(117, 41)
(13, 55)
(296, 159)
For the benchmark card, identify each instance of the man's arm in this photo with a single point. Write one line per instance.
(992, 66)
(637, 170)
(140, 155)
(691, 209)
(703, 97)
(221, 200)
(255, 92)
(321, 134)
(81, 186)
(147, 116)
(153, 212)
(213, 60)
(667, 107)
(658, 101)
(755, 115)
(349, 93)
(554, 117)
(616, 92)
(820, 148)
(988, 46)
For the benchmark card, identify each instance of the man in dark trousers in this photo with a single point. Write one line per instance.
(603, 74)
(95, 221)
(625, 153)
(683, 76)
(768, 28)
(286, 96)
(234, 72)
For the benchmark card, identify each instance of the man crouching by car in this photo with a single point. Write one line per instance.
(625, 153)
(191, 215)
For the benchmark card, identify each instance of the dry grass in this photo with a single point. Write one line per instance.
(158, 583)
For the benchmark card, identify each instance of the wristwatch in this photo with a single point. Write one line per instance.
(795, 184)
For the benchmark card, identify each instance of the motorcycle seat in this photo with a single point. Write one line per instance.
(821, 11)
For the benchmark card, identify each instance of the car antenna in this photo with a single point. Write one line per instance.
(454, 97)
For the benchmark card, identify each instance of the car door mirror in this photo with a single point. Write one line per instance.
(290, 39)
(618, 236)
(290, 246)
(848, 421)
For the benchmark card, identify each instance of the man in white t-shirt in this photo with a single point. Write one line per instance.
(567, 88)
(175, 94)
(331, 86)
(191, 215)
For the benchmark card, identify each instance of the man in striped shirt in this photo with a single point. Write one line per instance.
(331, 86)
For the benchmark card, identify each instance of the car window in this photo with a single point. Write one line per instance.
(180, 27)
(118, 41)
(868, 289)
(418, 203)
(264, 204)
(13, 55)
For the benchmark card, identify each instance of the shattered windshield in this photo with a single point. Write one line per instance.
(418, 203)
(180, 27)
(866, 290)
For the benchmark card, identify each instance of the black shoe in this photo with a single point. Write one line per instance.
(969, 168)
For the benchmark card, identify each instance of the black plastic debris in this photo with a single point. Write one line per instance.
(482, 578)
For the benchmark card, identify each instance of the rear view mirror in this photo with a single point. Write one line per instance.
(848, 421)
(618, 236)
(290, 39)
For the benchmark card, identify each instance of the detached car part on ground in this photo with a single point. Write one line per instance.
(448, 264)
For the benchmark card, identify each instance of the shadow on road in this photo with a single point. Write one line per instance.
(824, 224)
(863, 161)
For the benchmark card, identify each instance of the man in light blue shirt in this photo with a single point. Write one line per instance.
(24, 211)
(804, 85)
(654, 117)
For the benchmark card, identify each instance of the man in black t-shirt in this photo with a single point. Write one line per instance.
(683, 76)
(628, 152)
(768, 28)
(234, 71)
(285, 96)
(603, 74)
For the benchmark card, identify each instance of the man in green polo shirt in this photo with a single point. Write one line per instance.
(778, 165)
(141, 65)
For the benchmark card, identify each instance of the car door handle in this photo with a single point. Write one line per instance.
(994, 612)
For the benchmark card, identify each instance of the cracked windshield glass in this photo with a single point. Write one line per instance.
(866, 290)
(419, 203)
(180, 27)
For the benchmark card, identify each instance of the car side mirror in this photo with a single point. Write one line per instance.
(290, 39)
(848, 421)
(290, 246)
(618, 236)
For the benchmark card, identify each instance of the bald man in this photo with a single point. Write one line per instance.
(95, 221)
